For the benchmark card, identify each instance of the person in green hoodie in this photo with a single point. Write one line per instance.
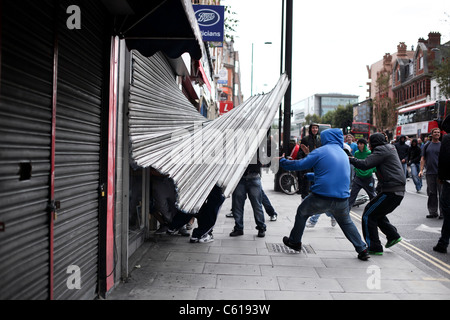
(363, 178)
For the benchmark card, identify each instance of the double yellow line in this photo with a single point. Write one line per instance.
(425, 256)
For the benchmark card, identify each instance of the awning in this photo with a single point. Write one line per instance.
(198, 155)
(150, 26)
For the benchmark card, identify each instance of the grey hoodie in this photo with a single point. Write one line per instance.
(390, 174)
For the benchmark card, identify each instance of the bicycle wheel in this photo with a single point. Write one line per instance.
(288, 183)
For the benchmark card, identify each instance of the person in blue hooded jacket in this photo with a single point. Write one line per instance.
(330, 191)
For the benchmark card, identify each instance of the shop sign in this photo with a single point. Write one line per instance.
(210, 19)
(225, 107)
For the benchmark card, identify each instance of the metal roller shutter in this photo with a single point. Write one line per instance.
(25, 147)
(156, 103)
(81, 70)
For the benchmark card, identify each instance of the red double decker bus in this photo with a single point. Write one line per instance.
(362, 130)
(419, 120)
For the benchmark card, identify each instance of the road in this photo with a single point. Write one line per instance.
(419, 233)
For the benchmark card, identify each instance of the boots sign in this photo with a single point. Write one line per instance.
(210, 19)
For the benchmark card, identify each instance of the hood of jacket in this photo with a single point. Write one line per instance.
(377, 139)
(332, 136)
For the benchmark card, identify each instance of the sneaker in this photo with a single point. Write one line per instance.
(376, 253)
(274, 217)
(229, 215)
(393, 242)
(204, 239)
(440, 248)
(261, 233)
(236, 233)
(293, 246)
(309, 224)
(162, 229)
(363, 255)
(430, 216)
(333, 222)
(182, 232)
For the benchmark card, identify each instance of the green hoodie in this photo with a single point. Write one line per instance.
(362, 155)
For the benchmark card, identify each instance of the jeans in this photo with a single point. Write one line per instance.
(445, 210)
(314, 204)
(251, 186)
(316, 217)
(433, 192)
(415, 167)
(267, 205)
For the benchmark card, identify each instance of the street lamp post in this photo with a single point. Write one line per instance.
(251, 89)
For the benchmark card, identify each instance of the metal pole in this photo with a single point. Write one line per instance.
(288, 63)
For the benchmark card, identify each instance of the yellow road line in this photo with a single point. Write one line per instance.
(426, 256)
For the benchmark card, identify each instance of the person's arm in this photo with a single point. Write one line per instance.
(422, 165)
(374, 159)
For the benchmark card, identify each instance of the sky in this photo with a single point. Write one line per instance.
(333, 41)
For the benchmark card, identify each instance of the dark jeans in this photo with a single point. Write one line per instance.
(314, 204)
(445, 210)
(251, 186)
(368, 184)
(206, 217)
(433, 192)
(374, 217)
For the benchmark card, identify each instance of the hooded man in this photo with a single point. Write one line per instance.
(390, 189)
(311, 141)
(329, 192)
(402, 150)
(363, 178)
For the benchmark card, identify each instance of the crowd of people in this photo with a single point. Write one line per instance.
(340, 167)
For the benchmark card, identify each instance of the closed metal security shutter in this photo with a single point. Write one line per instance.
(25, 147)
(81, 69)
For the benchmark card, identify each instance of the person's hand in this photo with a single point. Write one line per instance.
(279, 158)
(420, 173)
(304, 148)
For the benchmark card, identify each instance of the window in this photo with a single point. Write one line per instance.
(421, 63)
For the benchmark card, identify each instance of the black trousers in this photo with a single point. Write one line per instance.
(374, 217)
(206, 217)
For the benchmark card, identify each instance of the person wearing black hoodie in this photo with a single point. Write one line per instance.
(414, 155)
(402, 150)
(444, 178)
(390, 192)
(311, 141)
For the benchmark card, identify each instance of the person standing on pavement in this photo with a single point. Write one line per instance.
(312, 142)
(429, 160)
(249, 185)
(330, 190)
(414, 155)
(444, 178)
(363, 178)
(390, 192)
(402, 151)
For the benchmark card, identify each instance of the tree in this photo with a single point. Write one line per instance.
(442, 71)
(343, 116)
(384, 112)
(312, 118)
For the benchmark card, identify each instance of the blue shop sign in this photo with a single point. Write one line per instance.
(211, 22)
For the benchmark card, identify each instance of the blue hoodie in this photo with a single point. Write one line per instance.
(330, 163)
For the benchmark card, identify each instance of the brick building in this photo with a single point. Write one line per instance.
(412, 76)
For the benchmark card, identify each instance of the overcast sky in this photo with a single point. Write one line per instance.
(333, 40)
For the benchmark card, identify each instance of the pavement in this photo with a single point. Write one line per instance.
(252, 268)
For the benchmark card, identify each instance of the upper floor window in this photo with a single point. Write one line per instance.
(420, 62)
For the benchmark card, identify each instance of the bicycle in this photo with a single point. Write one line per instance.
(288, 182)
